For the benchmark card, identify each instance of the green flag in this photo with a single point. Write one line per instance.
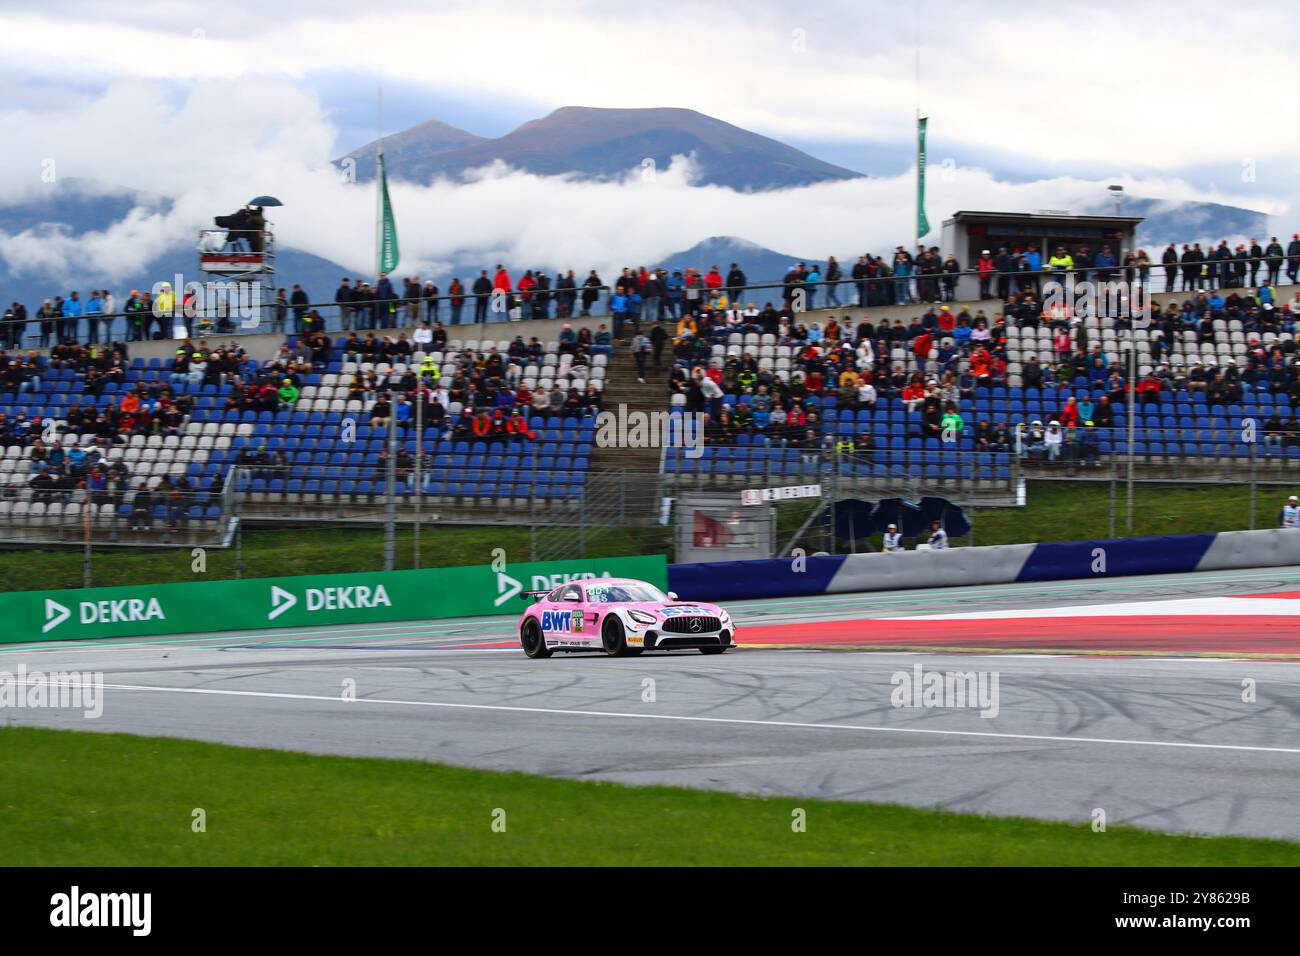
(388, 253)
(922, 224)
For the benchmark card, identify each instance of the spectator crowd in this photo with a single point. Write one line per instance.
(641, 295)
(682, 321)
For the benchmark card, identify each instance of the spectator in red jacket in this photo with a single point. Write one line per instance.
(921, 346)
(1069, 417)
(914, 394)
(1149, 388)
(526, 286)
(985, 269)
(1062, 345)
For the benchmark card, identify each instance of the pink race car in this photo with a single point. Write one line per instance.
(622, 617)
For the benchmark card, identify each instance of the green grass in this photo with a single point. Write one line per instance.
(1074, 510)
(1057, 511)
(91, 799)
(289, 551)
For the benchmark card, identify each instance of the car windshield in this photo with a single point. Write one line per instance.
(620, 593)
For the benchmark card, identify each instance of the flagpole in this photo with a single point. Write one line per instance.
(379, 181)
(916, 23)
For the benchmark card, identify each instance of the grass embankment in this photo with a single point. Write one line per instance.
(1071, 511)
(91, 799)
(291, 551)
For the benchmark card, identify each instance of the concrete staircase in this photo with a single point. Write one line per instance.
(622, 389)
(640, 486)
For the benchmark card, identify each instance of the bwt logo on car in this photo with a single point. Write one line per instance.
(556, 620)
(351, 597)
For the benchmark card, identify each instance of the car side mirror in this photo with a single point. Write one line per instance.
(672, 595)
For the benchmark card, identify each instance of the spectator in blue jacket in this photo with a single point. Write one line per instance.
(618, 309)
(633, 311)
(902, 279)
(72, 310)
(961, 334)
(1105, 264)
(1034, 259)
(810, 284)
(676, 287)
(94, 309)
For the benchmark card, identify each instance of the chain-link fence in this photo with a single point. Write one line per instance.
(118, 515)
(429, 510)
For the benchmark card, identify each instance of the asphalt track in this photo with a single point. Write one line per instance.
(1124, 695)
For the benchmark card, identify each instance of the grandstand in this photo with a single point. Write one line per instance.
(321, 448)
(1184, 418)
(168, 486)
(501, 445)
(495, 471)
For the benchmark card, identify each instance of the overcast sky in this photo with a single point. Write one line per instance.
(1030, 106)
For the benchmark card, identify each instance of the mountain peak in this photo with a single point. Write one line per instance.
(410, 147)
(606, 143)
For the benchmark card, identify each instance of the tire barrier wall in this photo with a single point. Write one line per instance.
(1252, 549)
(1006, 564)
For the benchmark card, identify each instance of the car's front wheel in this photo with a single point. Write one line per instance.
(530, 636)
(613, 638)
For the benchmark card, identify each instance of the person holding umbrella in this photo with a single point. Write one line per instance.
(256, 228)
(255, 221)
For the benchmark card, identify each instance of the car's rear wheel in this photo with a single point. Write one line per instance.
(714, 650)
(613, 638)
(530, 636)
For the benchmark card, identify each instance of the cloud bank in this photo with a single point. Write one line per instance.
(226, 140)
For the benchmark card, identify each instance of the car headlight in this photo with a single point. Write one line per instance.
(641, 617)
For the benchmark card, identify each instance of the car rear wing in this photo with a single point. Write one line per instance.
(534, 595)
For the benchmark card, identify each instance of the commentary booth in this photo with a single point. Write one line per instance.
(967, 234)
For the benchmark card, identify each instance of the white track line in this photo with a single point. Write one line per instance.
(705, 720)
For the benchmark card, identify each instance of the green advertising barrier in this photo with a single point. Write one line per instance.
(299, 601)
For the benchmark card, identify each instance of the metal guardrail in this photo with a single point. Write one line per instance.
(877, 291)
(116, 517)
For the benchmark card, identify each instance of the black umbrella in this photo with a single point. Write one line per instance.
(265, 201)
(953, 518)
(906, 514)
(852, 518)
